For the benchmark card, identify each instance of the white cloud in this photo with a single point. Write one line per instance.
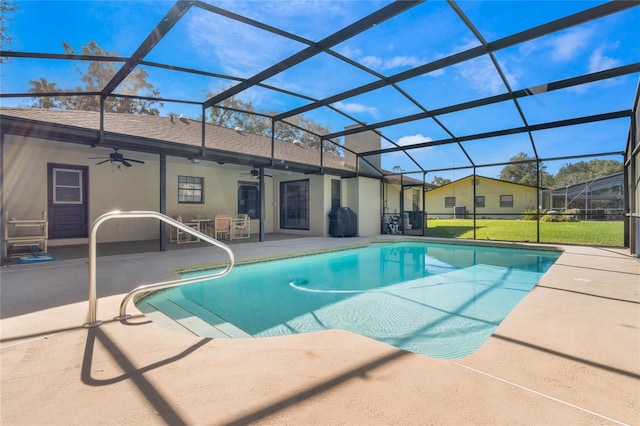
(378, 63)
(567, 45)
(350, 52)
(402, 62)
(598, 61)
(356, 108)
(413, 139)
(240, 50)
(373, 62)
(562, 47)
(482, 76)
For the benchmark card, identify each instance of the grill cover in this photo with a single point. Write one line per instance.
(343, 222)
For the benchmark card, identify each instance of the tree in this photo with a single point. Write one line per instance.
(584, 171)
(95, 76)
(43, 86)
(523, 170)
(437, 180)
(233, 112)
(6, 7)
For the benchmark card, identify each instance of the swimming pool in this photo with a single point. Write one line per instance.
(437, 299)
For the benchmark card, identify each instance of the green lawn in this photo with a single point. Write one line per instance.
(608, 234)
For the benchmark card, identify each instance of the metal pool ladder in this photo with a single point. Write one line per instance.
(93, 300)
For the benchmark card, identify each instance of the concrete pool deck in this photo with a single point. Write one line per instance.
(569, 353)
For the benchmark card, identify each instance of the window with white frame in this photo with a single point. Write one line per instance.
(67, 186)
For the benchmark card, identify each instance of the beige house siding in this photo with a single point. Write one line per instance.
(524, 197)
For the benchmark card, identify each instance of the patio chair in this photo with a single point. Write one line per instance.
(181, 236)
(222, 225)
(241, 227)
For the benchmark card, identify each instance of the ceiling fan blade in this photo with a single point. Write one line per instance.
(126, 163)
(102, 162)
(96, 158)
(135, 161)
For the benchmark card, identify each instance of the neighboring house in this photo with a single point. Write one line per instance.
(49, 165)
(494, 198)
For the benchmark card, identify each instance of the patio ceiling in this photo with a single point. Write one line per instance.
(505, 90)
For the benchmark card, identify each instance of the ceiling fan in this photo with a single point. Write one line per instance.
(116, 157)
(255, 173)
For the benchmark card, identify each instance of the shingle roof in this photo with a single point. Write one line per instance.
(180, 131)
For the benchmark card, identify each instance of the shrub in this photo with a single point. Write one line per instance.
(569, 215)
(530, 214)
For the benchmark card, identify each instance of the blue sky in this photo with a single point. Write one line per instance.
(430, 31)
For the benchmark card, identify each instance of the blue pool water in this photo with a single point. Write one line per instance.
(441, 300)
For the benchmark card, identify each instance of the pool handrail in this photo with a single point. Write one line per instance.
(93, 301)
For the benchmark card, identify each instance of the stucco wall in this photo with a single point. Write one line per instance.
(220, 190)
(127, 188)
(368, 207)
(110, 188)
(523, 198)
(138, 188)
(392, 198)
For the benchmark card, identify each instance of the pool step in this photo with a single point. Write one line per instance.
(187, 316)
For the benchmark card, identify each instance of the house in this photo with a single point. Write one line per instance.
(494, 198)
(58, 162)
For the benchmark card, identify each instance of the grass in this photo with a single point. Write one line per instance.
(607, 234)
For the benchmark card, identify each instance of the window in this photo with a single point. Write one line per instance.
(335, 194)
(67, 186)
(480, 201)
(449, 201)
(249, 199)
(506, 201)
(416, 200)
(190, 189)
(294, 204)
